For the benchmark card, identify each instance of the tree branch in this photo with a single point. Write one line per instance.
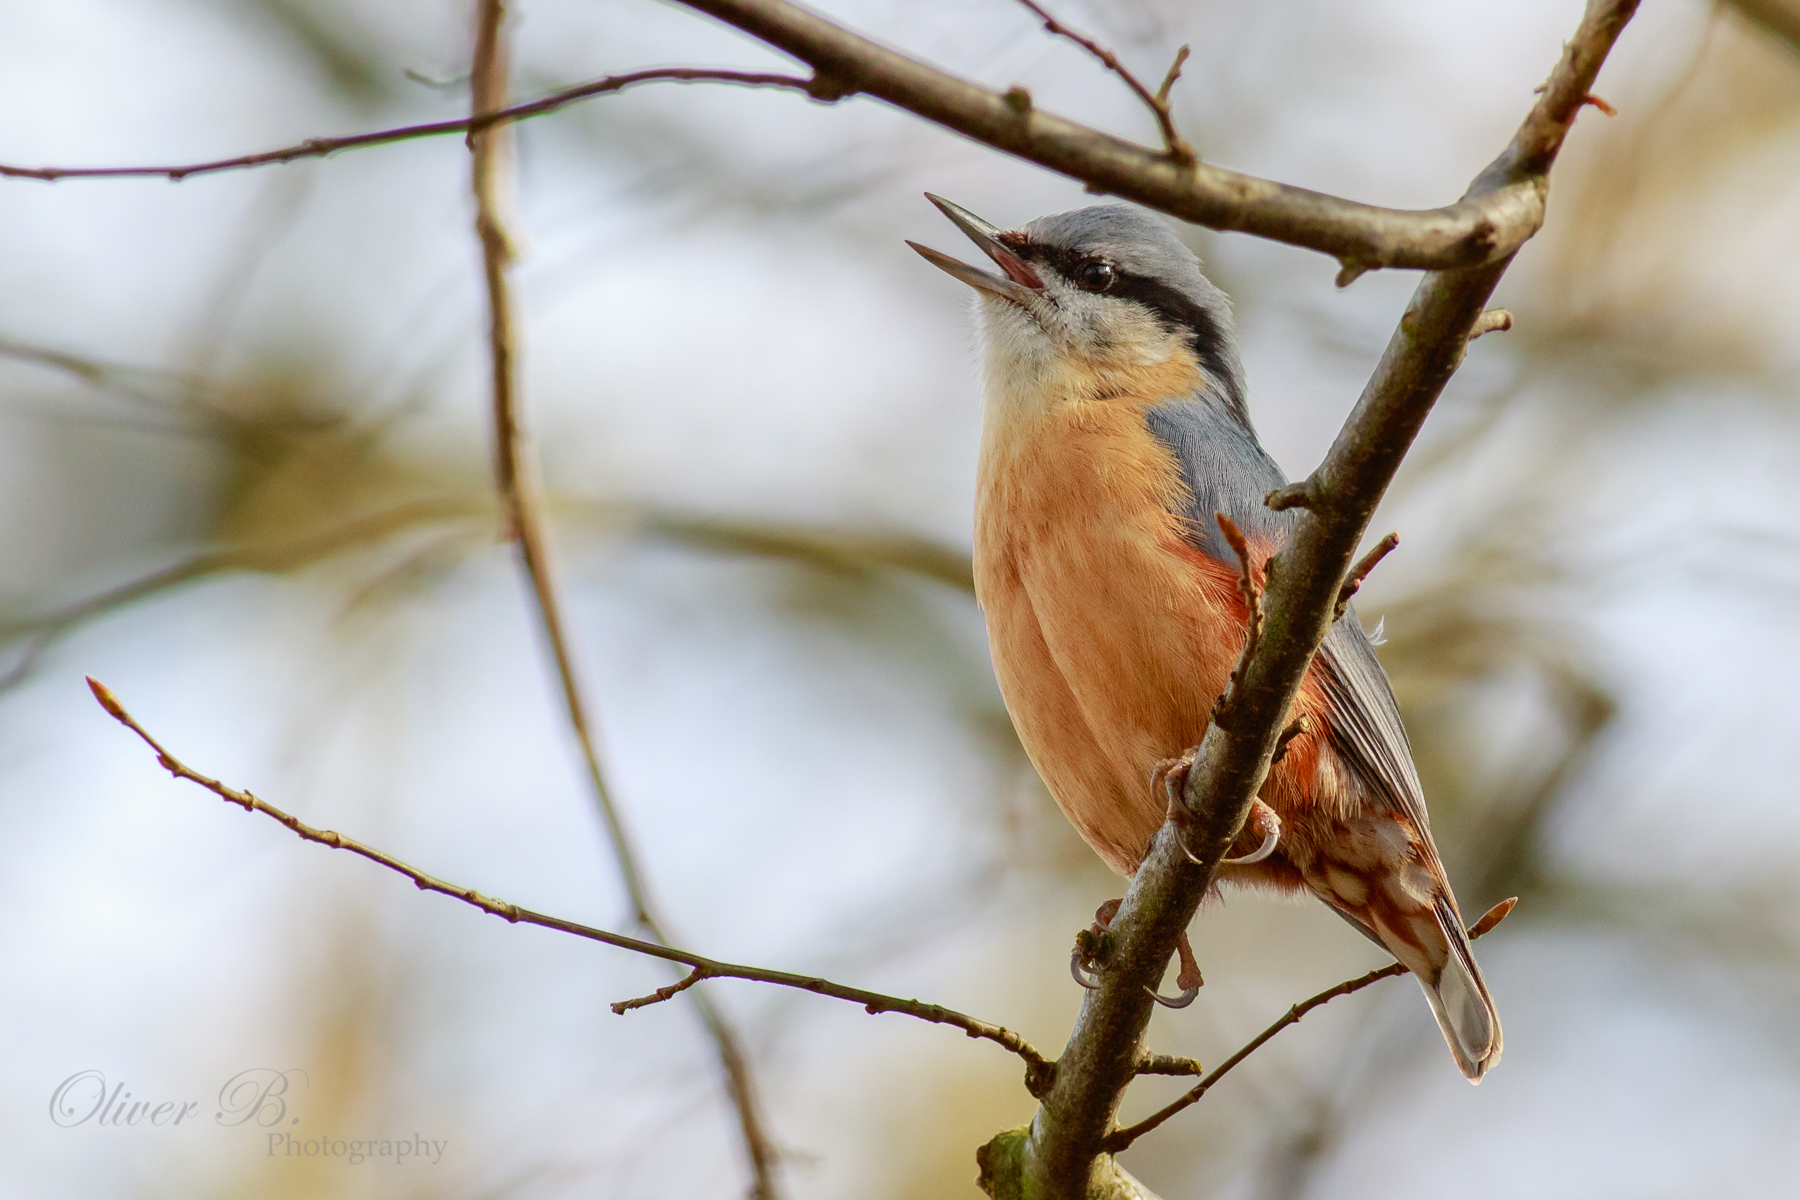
(1036, 1064)
(1119, 1139)
(320, 147)
(515, 482)
(1483, 227)
(1063, 1155)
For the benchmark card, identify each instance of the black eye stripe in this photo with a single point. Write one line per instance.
(1204, 336)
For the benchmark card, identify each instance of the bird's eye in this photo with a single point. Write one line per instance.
(1094, 276)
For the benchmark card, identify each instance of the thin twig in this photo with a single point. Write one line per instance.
(873, 1002)
(1168, 83)
(621, 1007)
(1354, 580)
(1120, 1139)
(320, 147)
(1169, 1064)
(1174, 144)
(515, 482)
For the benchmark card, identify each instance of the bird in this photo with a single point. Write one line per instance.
(1117, 451)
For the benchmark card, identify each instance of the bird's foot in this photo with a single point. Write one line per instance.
(1265, 823)
(1187, 979)
(1086, 942)
(1171, 776)
(1080, 961)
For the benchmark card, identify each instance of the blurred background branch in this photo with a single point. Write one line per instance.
(523, 524)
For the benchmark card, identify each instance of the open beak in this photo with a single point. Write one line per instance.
(1020, 283)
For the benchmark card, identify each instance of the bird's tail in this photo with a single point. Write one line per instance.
(1458, 994)
(1432, 944)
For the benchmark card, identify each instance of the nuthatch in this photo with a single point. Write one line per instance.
(1115, 429)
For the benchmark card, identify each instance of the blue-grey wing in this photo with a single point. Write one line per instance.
(1227, 470)
(1365, 721)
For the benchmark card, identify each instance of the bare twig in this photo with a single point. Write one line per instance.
(320, 147)
(1169, 1064)
(1174, 73)
(621, 1007)
(1122, 1138)
(515, 482)
(873, 1002)
(1354, 580)
(1157, 102)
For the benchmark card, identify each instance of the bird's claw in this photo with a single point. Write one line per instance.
(1264, 819)
(1182, 1001)
(1188, 979)
(1170, 775)
(1078, 968)
(1078, 960)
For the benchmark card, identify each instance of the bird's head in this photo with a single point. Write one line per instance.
(1106, 292)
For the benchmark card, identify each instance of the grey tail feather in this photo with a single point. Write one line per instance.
(1460, 1001)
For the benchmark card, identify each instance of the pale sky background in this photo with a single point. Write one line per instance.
(721, 321)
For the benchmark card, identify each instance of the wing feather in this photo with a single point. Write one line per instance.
(1226, 470)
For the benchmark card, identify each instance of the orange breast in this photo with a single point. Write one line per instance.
(1111, 638)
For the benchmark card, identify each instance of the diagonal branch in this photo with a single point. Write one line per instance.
(320, 147)
(515, 482)
(1157, 102)
(1121, 1138)
(874, 1002)
(1063, 1155)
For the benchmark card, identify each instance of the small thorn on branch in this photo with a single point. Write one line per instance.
(1353, 582)
(1296, 727)
(1294, 495)
(1600, 104)
(1493, 320)
(1350, 271)
(621, 1007)
(828, 89)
